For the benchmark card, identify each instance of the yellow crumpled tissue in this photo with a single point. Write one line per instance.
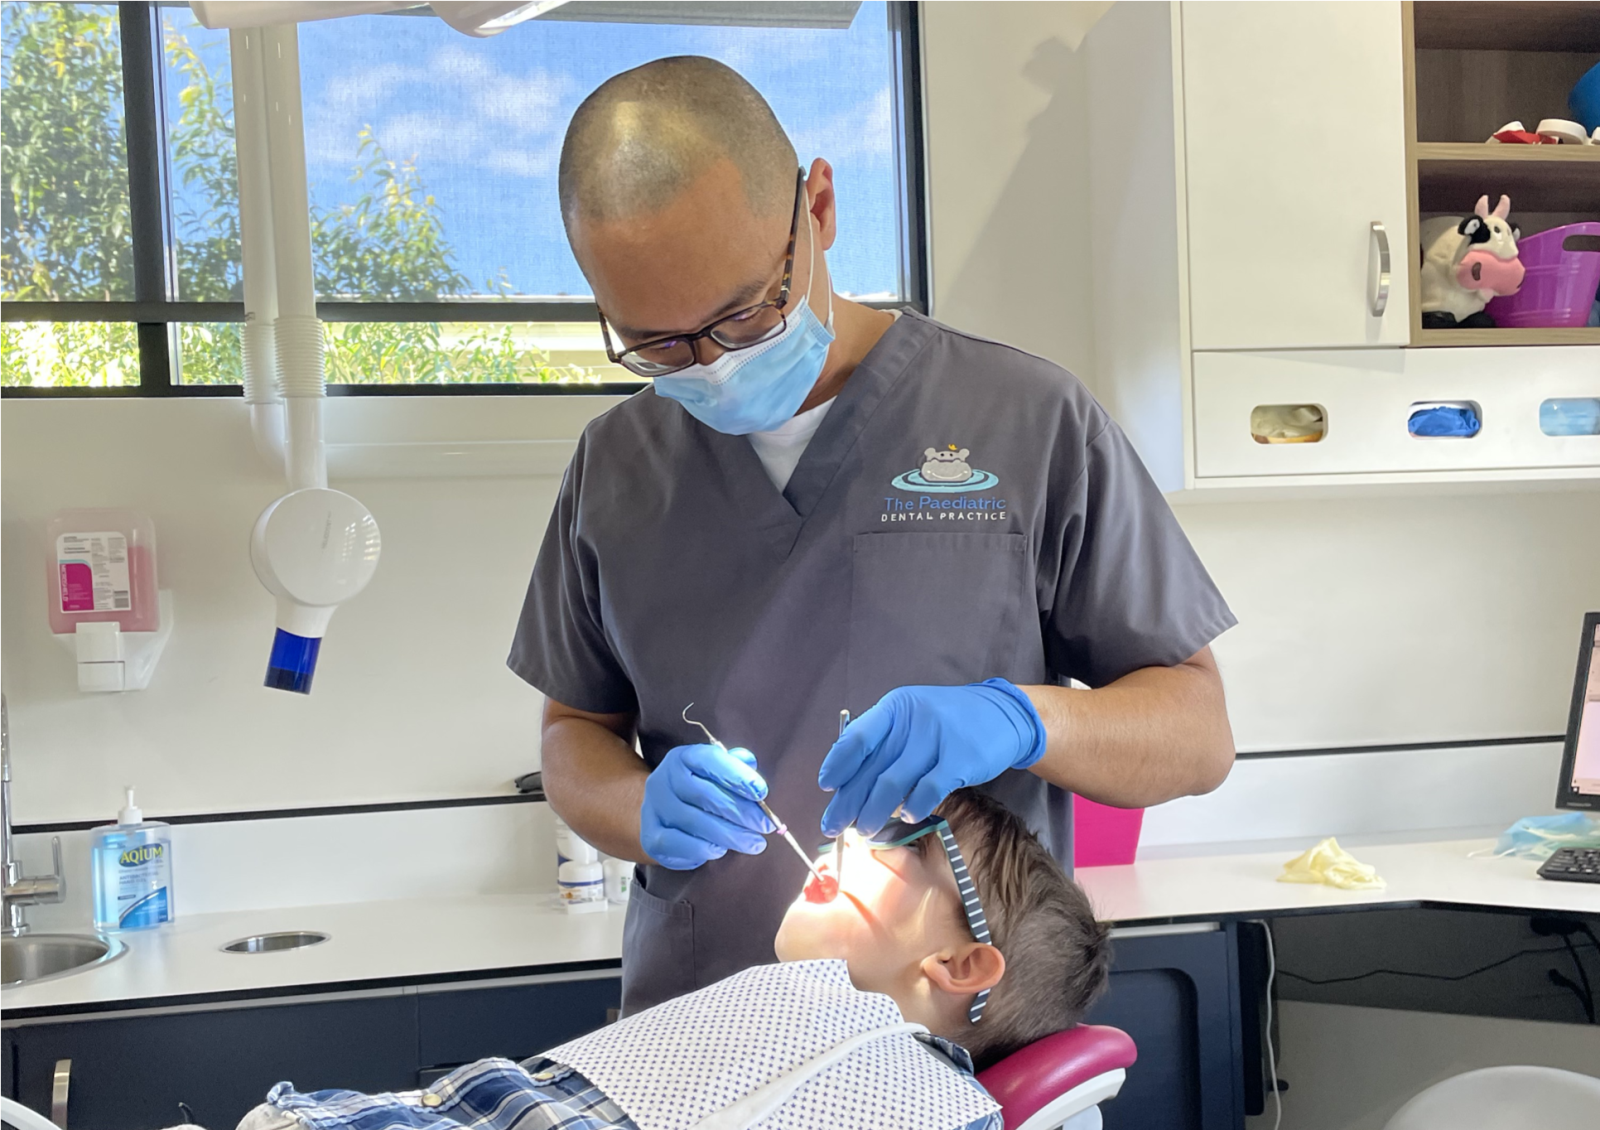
(1330, 864)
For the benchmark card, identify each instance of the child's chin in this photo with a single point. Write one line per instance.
(804, 940)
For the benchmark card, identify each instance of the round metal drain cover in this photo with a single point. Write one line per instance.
(273, 943)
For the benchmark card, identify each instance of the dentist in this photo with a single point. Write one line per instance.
(824, 506)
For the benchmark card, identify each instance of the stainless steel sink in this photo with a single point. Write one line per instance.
(41, 957)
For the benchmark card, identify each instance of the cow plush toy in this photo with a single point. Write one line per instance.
(1465, 262)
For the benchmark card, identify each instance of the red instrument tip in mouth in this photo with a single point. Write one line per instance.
(825, 889)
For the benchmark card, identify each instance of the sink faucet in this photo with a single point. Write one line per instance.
(20, 891)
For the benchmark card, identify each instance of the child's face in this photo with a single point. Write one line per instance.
(895, 908)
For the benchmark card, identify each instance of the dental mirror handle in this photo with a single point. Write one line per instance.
(838, 841)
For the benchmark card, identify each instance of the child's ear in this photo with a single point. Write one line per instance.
(969, 969)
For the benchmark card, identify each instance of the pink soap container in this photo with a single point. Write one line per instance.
(1103, 836)
(101, 566)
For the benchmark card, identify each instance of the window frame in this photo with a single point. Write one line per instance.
(157, 313)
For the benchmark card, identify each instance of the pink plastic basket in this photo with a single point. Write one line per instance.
(1102, 835)
(1559, 286)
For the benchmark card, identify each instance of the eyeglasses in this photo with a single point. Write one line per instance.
(899, 833)
(739, 330)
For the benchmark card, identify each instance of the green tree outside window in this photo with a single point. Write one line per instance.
(67, 234)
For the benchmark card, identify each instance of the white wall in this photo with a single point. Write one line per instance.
(1004, 95)
(412, 697)
(1374, 619)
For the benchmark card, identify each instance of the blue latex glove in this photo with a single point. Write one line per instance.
(699, 803)
(920, 744)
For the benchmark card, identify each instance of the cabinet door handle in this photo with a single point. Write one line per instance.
(1378, 271)
(60, 1088)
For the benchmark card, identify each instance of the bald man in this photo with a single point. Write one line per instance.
(820, 507)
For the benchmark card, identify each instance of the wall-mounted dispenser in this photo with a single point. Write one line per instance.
(105, 604)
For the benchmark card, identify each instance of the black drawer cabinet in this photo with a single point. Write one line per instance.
(131, 1072)
(1177, 995)
(513, 1022)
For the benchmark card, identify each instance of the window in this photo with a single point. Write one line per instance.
(439, 254)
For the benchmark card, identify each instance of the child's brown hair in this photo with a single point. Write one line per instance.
(1057, 956)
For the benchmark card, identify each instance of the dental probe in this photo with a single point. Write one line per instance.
(838, 841)
(782, 828)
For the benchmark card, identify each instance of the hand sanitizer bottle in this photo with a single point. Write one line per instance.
(132, 862)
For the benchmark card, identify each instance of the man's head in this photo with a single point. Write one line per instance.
(899, 924)
(678, 193)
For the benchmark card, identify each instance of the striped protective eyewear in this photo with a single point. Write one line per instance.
(899, 833)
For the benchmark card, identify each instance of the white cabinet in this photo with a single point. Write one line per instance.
(1294, 144)
(1238, 155)
(1367, 396)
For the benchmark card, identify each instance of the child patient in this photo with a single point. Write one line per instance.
(889, 991)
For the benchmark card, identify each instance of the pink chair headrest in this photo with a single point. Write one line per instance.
(1025, 1081)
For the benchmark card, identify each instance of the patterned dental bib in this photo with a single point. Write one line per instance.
(792, 1046)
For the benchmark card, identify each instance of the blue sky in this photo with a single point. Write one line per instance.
(484, 120)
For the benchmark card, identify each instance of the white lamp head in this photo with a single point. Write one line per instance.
(313, 549)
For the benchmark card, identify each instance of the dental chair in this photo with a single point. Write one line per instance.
(1056, 1083)
(1059, 1082)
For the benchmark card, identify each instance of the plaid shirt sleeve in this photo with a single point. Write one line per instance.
(492, 1094)
(496, 1094)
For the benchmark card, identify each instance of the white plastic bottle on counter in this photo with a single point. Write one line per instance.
(581, 879)
(565, 839)
(619, 879)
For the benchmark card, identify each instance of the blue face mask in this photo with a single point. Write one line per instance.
(756, 389)
(1538, 837)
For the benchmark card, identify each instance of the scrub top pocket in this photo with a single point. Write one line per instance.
(657, 948)
(938, 608)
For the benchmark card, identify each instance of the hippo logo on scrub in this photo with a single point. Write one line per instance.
(946, 472)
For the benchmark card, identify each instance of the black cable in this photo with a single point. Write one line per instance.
(1584, 926)
(1588, 993)
(1414, 973)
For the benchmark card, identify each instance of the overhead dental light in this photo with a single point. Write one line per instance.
(314, 548)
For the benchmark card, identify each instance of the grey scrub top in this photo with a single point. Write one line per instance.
(965, 511)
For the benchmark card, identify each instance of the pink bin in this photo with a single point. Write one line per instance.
(1559, 286)
(1102, 835)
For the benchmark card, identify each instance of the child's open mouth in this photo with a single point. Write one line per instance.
(822, 888)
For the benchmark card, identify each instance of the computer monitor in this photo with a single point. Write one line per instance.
(1580, 763)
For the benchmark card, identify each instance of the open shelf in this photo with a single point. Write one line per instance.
(1471, 68)
(1538, 178)
(1479, 26)
(1578, 335)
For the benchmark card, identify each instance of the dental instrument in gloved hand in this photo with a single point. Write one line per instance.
(920, 744)
(779, 826)
(838, 841)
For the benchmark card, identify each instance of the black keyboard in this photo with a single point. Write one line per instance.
(1577, 865)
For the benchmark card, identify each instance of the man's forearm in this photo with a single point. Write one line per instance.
(595, 782)
(1153, 735)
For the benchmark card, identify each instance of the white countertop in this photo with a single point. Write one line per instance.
(402, 941)
(1201, 886)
